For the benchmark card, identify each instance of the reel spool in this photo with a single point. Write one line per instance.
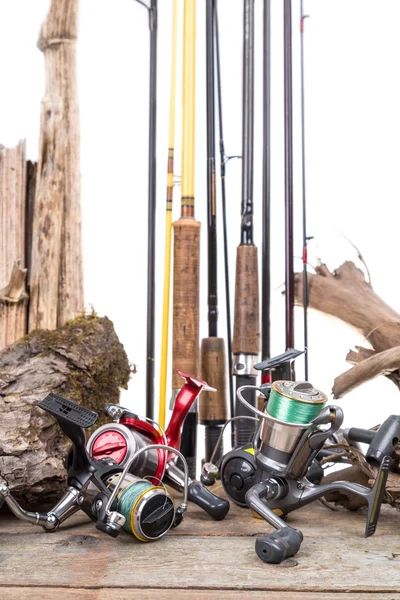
(287, 418)
(149, 510)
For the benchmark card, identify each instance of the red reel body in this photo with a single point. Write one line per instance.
(121, 440)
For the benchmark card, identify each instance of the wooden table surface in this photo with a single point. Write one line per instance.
(203, 560)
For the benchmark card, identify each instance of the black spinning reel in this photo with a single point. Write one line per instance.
(105, 491)
(278, 472)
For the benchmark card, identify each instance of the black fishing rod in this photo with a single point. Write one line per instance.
(223, 161)
(266, 218)
(246, 333)
(212, 405)
(289, 253)
(151, 222)
(303, 17)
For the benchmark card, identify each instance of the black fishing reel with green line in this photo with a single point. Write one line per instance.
(105, 491)
(276, 474)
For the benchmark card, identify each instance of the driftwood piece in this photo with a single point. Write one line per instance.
(13, 297)
(57, 252)
(47, 218)
(346, 295)
(83, 361)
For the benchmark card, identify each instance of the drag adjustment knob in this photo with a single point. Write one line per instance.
(110, 444)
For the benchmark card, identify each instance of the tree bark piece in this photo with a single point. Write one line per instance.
(82, 361)
(13, 298)
(346, 295)
(57, 218)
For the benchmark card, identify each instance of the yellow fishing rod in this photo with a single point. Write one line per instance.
(168, 221)
(185, 346)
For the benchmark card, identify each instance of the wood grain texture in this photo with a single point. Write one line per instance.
(221, 564)
(41, 593)
(246, 328)
(58, 185)
(240, 523)
(47, 218)
(90, 560)
(186, 282)
(213, 405)
(13, 297)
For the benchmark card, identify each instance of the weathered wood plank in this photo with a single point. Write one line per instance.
(56, 281)
(13, 298)
(22, 593)
(70, 559)
(240, 522)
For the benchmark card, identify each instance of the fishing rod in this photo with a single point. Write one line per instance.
(303, 17)
(185, 345)
(151, 227)
(168, 221)
(266, 218)
(224, 159)
(288, 104)
(246, 333)
(212, 406)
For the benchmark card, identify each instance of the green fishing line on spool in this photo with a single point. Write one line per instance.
(128, 499)
(292, 410)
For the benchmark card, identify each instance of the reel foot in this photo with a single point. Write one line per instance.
(275, 547)
(68, 411)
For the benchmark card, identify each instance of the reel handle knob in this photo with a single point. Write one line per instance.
(275, 547)
(216, 507)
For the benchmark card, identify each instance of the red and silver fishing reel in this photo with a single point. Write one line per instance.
(129, 433)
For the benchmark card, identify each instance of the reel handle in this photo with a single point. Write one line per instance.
(381, 442)
(354, 434)
(276, 547)
(286, 541)
(215, 506)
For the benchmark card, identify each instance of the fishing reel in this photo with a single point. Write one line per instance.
(278, 472)
(108, 493)
(122, 439)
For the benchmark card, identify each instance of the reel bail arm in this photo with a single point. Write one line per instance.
(107, 516)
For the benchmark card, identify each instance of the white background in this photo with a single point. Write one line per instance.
(353, 132)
